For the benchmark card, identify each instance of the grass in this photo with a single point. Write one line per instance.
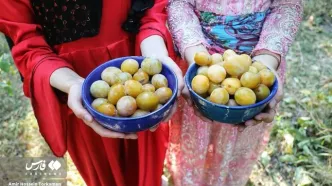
(300, 149)
(299, 152)
(19, 132)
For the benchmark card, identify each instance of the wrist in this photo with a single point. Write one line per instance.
(191, 51)
(153, 46)
(268, 60)
(64, 78)
(75, 82)
(267, 52)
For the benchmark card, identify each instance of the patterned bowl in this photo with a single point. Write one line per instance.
(128, 125)
(224, 113)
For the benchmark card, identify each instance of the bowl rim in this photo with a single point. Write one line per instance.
(84, 93)
(260, 103)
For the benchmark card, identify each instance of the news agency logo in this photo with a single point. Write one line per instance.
(41, 165)
(33, 171)
(44, 167)
(54, 165)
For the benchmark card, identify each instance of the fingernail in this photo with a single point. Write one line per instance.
(87, 118)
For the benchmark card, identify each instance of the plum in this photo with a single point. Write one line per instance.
(250, 80)
(130, 66)
(99, 89)
(159, 81)
(219, 96)
(147, 101)
(200, 84)
(245, 96)
(164, 94)
(126, 106)
(216, 73)
(231, 85)
(133, 88)
(202, 58)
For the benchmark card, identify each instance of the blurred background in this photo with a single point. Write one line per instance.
(300, 148)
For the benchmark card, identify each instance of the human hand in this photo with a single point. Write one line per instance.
(269, 112)
(154, 46)
(75, 104)
(171, 65)
(189, 56)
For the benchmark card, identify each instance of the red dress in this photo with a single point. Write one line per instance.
(101, 161)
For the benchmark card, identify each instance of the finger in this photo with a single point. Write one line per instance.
(241, 128)
(280, 92)
(186, 95)
(266, 117)
(261, 116)
(154, 128)
(172, 65)
(75, 104)
(103, 132)
(272, 104)
(251, 122)
(174, 108)
(130, 136)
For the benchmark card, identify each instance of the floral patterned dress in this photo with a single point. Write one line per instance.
(218, 154)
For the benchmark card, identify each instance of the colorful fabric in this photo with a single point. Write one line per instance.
(204, 153)
(101, 161)
(277, 33)
(240, 33)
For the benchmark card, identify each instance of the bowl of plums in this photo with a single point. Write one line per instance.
(130, 94)
(229, 87)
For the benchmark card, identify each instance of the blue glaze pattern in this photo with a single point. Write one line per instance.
(224, 113)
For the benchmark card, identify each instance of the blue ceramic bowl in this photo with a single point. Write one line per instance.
(128, 125)
(224, 113)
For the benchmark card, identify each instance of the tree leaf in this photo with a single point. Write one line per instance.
(301, 177)
(287, 158)
(265, 158)
(4, 64)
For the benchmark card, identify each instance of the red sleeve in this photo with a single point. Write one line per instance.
(30, 47)
(154, 23)
(36, 62)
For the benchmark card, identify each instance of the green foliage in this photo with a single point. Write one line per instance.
(5, 63)
(6, 67)
(300, 148)
(320, 10)
(13, 107)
